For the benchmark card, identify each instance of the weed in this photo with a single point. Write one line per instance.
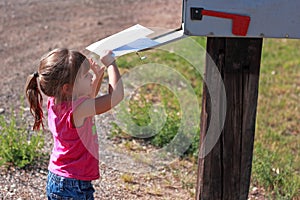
(279, 181)
(127, 178)
(18, 146)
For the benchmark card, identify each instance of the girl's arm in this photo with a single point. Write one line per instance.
(115, 91)
(99, 74)
(106, 102)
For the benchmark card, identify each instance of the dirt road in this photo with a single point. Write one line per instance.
(30, 28)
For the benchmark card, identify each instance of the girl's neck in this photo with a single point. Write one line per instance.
(62, 99)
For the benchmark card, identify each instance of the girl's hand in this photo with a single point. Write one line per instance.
(107, 58)
(99, 73)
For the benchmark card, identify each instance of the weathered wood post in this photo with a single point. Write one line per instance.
(224, 173)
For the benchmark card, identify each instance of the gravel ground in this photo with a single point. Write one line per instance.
(117, 182)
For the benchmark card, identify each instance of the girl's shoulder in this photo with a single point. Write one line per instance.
(79, 101)
(65, 104)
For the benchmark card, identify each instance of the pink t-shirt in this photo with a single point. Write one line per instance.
(75, 151)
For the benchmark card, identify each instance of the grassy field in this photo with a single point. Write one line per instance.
(276, 163)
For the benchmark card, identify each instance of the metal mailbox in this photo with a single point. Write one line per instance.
(242, 18)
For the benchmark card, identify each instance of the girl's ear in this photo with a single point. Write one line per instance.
(67, 89)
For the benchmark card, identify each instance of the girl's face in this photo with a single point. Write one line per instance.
(83, 83)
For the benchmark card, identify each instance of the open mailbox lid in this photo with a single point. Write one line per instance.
(134, 39)
(242, 18)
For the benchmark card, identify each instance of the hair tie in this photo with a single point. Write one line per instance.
(35, 74)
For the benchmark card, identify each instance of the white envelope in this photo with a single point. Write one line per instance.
(133, 39)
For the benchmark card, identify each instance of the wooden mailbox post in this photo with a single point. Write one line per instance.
(235, 29)
(224, 173)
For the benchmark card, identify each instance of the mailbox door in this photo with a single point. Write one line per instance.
(220, 18)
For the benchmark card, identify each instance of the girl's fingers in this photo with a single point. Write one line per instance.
(99, 71)
(102, 69)
(93, 65)
(107, 58)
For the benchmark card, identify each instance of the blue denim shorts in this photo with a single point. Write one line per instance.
(61, 188)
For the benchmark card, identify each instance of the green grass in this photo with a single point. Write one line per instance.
(276, 162)
(18, 146)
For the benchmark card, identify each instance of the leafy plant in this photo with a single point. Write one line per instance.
(18, 146)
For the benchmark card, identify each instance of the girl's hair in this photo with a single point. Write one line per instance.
(58, 67)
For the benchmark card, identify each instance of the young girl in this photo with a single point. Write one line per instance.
(63, 75)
